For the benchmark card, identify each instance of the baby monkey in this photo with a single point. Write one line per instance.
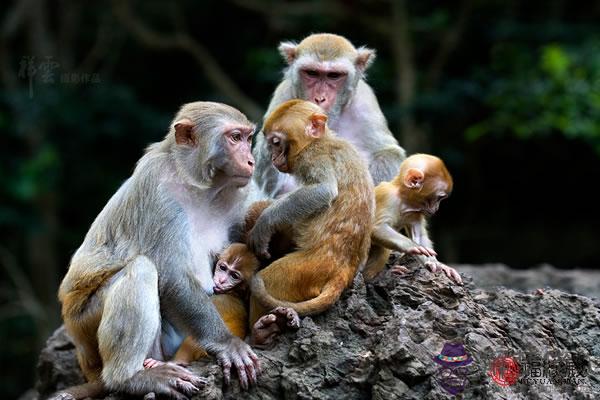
(233, 271)
(403, 205)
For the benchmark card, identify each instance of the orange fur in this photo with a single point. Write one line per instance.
(391, 197)
(331, 243)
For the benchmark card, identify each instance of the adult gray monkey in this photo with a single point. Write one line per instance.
(329, 71)
(139, 282)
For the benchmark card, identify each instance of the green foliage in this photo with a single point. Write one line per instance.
(553, 90)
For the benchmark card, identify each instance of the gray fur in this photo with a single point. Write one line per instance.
(357, 118)
(144, 234)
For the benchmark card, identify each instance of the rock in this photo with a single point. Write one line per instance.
(580, 281)
(380, 339)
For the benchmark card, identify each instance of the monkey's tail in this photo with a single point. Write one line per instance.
(328, 296)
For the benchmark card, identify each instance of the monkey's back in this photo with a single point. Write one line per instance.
(343, 230)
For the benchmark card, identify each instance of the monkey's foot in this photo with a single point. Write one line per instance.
(62, 396)
(287, 317)
(152, 363)
(399, 269)
(167, 379)
(269, 326)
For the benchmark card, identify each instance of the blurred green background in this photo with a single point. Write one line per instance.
(507, 92)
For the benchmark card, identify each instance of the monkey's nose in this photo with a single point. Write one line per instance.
(251, 163)
(319, 100)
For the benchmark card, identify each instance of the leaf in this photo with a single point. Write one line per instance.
(555, 61)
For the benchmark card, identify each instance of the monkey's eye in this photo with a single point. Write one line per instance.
(250, 138)
(334, 75)
(222, 267)
(442, 197)
(236, 136)
(311, 72)
(275, 141)
(235, 275)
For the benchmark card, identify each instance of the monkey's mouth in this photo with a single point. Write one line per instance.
(280, 163)
(218, 289)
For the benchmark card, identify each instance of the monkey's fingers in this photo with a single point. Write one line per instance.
(195, 380)
(256, 362)
(265, 321)
(453, 274)
(152, 363)
(225, 364)
(414, 251)
(150, 396)
(250, 369)
(432, 266)
(431, 252)
(186, 387)
(399, 269)
(241, 370)
(293, 319)
(62, 396)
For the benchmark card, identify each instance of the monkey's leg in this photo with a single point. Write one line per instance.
(271, 325)
(129, 327)
(294, 278)
(378, 257)
(235, 316)
(84, 391)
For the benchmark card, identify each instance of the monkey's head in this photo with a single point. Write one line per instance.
(423, 182)
(234, 268)
(290, 128)
(325, 69)
(212, 144)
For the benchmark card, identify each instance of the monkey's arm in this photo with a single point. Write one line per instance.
(297, 205)
(189, 308)
(384, 235)
(386, 154)
(419, 235)
(385, 163)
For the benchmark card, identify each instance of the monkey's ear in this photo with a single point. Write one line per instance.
(365, 58)
(414, 178)
(184, 132)
(316, 129)
(288, 51)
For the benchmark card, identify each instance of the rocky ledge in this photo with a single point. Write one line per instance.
(380, 341)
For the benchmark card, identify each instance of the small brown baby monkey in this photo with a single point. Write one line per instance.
(234, 269)
(404, 204)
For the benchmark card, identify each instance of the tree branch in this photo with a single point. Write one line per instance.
(413, 139)
(450, 41)
(180, 40)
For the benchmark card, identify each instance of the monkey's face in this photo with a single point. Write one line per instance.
(226, 276)
(424, 193)
(238, 162)
(279, 147)
(431, 203)
(323, 83)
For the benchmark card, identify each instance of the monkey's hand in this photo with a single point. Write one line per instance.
(237, 353)
(434, 265)
(421, 250)
(258, 240)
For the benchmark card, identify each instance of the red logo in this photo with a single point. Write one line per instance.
(504, 371)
